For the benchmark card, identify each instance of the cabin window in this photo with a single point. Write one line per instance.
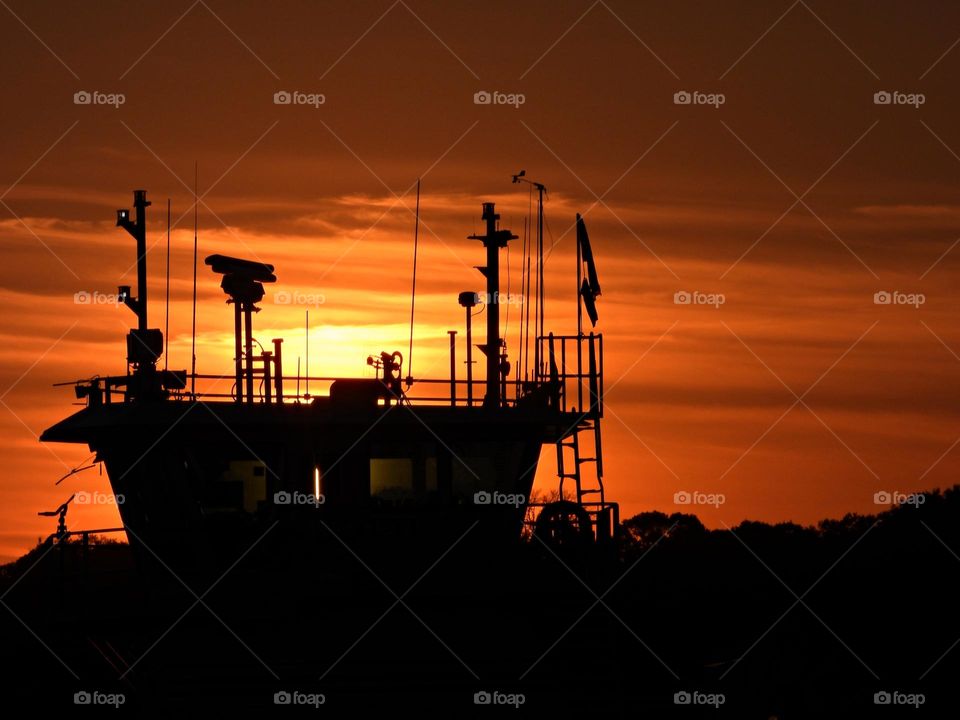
(391, 478)
(242, 485)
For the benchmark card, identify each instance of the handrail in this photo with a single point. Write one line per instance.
(568, 386)
(116, 394)
(574, 365)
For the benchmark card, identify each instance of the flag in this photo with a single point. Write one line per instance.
(587, 294)
(587, 255)
(590, 287)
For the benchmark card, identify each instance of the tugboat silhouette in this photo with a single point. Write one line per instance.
(395, 464)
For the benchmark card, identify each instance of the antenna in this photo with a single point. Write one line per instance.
(523, 285)
(61, 514)
(166, 331)
(538, 311)
(413, 294)
(526, 322)
(80, 468)
(59, 510)
(193, 338)
(306, 394)
(527, 289)
(540, 300)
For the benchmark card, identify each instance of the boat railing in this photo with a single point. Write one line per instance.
(298, 389)
(569, 379)
(574, 364)
(76, 549)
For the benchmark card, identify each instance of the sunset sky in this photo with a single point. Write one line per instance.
(797, 199)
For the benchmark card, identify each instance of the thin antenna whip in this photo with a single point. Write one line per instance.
(413, 293)
(307, 333)
(166, 331)
(193, 338)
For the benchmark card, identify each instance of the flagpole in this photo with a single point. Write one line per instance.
(579, 321)
(579, 281)
(540, 189)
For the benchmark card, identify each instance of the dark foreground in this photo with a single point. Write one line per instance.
(759, 622)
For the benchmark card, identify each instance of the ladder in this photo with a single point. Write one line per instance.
(571, 461)
(573, 370)
(576, 366)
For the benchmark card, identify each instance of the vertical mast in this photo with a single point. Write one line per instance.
(144, 345)
(138, 229)
(493, 241)
(140, 202)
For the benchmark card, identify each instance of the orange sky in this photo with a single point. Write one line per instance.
(694, 198)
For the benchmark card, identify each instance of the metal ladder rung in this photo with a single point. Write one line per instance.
(587, 459)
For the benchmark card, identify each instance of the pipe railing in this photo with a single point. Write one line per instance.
(577, 384)
(455, 396)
